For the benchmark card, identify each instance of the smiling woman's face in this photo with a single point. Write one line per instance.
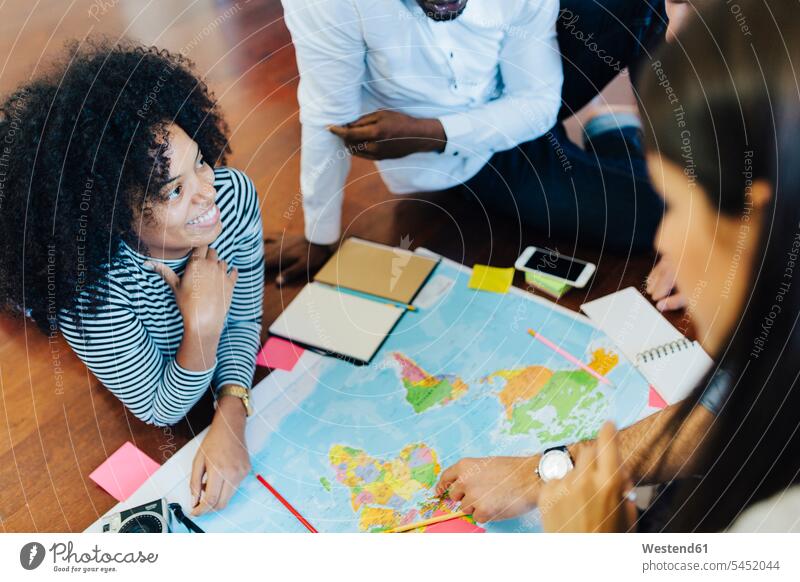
(713, 253)
(189, 217)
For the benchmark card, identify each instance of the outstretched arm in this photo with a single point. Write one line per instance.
(496, 488)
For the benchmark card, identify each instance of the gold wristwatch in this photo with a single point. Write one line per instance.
(240, 392)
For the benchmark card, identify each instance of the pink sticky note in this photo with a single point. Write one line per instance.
(459, 525)
(279, 354)
(656, 400)
(124, 471)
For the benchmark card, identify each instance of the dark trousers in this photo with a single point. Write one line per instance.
(600, 196)
(600, 38)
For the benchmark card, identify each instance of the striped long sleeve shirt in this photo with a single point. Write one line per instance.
(130, 342)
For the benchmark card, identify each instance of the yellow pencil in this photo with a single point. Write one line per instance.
(427, 522)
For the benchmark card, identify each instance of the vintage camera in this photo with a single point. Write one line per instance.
(153, 517)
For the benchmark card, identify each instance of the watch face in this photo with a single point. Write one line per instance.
(554, 465)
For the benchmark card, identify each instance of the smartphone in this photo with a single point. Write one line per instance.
(547, 262)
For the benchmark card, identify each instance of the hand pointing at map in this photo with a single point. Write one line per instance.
(474, 482)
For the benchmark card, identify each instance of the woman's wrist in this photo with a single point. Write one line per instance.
(203, 333)
(198, 350)
(232, 410)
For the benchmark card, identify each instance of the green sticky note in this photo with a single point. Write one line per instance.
(554, 287)
(493, 279)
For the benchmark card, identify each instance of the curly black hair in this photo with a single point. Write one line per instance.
(82, 156)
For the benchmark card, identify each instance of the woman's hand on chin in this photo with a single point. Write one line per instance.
(203, 294)
(222, 461)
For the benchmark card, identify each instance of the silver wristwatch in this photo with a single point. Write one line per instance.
(555, 463)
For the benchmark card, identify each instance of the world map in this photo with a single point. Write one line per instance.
(360, 449)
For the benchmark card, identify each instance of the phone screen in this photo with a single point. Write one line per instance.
(551, 263)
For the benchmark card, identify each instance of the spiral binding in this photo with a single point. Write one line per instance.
(664, 350)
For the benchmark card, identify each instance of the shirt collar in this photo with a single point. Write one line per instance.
(140, 257)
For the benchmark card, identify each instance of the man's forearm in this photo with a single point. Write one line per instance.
(652, 453)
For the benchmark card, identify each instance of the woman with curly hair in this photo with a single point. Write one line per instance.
(121, 227)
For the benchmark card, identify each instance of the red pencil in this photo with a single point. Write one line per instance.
(286, 504)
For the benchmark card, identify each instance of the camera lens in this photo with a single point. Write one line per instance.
(143, 523)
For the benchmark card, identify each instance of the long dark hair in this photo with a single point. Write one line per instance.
(723, 103)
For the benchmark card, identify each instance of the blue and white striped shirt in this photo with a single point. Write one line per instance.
(130, 342)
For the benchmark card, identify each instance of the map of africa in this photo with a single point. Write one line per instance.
(360, 449)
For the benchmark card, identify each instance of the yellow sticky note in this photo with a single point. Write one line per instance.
(492, 279)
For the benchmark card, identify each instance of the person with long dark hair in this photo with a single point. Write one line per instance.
(723, 108)
(121, 228)
(720, 105)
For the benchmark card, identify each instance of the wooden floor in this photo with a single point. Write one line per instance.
(51, 438)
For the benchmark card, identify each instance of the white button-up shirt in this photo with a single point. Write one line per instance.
(492, 77)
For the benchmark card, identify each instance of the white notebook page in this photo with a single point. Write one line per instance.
(338, 322)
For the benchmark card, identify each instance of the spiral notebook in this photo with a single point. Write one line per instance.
(672, 363)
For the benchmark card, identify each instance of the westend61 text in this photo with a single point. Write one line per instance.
(674, 549)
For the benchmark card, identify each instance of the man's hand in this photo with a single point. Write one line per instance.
(661, 284)
(592, 497)
(385, 135)
(222, 458)
(293, 256)
(493, 488)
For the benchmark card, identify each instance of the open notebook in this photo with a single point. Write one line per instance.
(340, 324)
(670, 362)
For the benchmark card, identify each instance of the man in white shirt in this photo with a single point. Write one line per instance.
(453, 93)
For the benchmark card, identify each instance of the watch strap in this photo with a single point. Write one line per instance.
(239, 392)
